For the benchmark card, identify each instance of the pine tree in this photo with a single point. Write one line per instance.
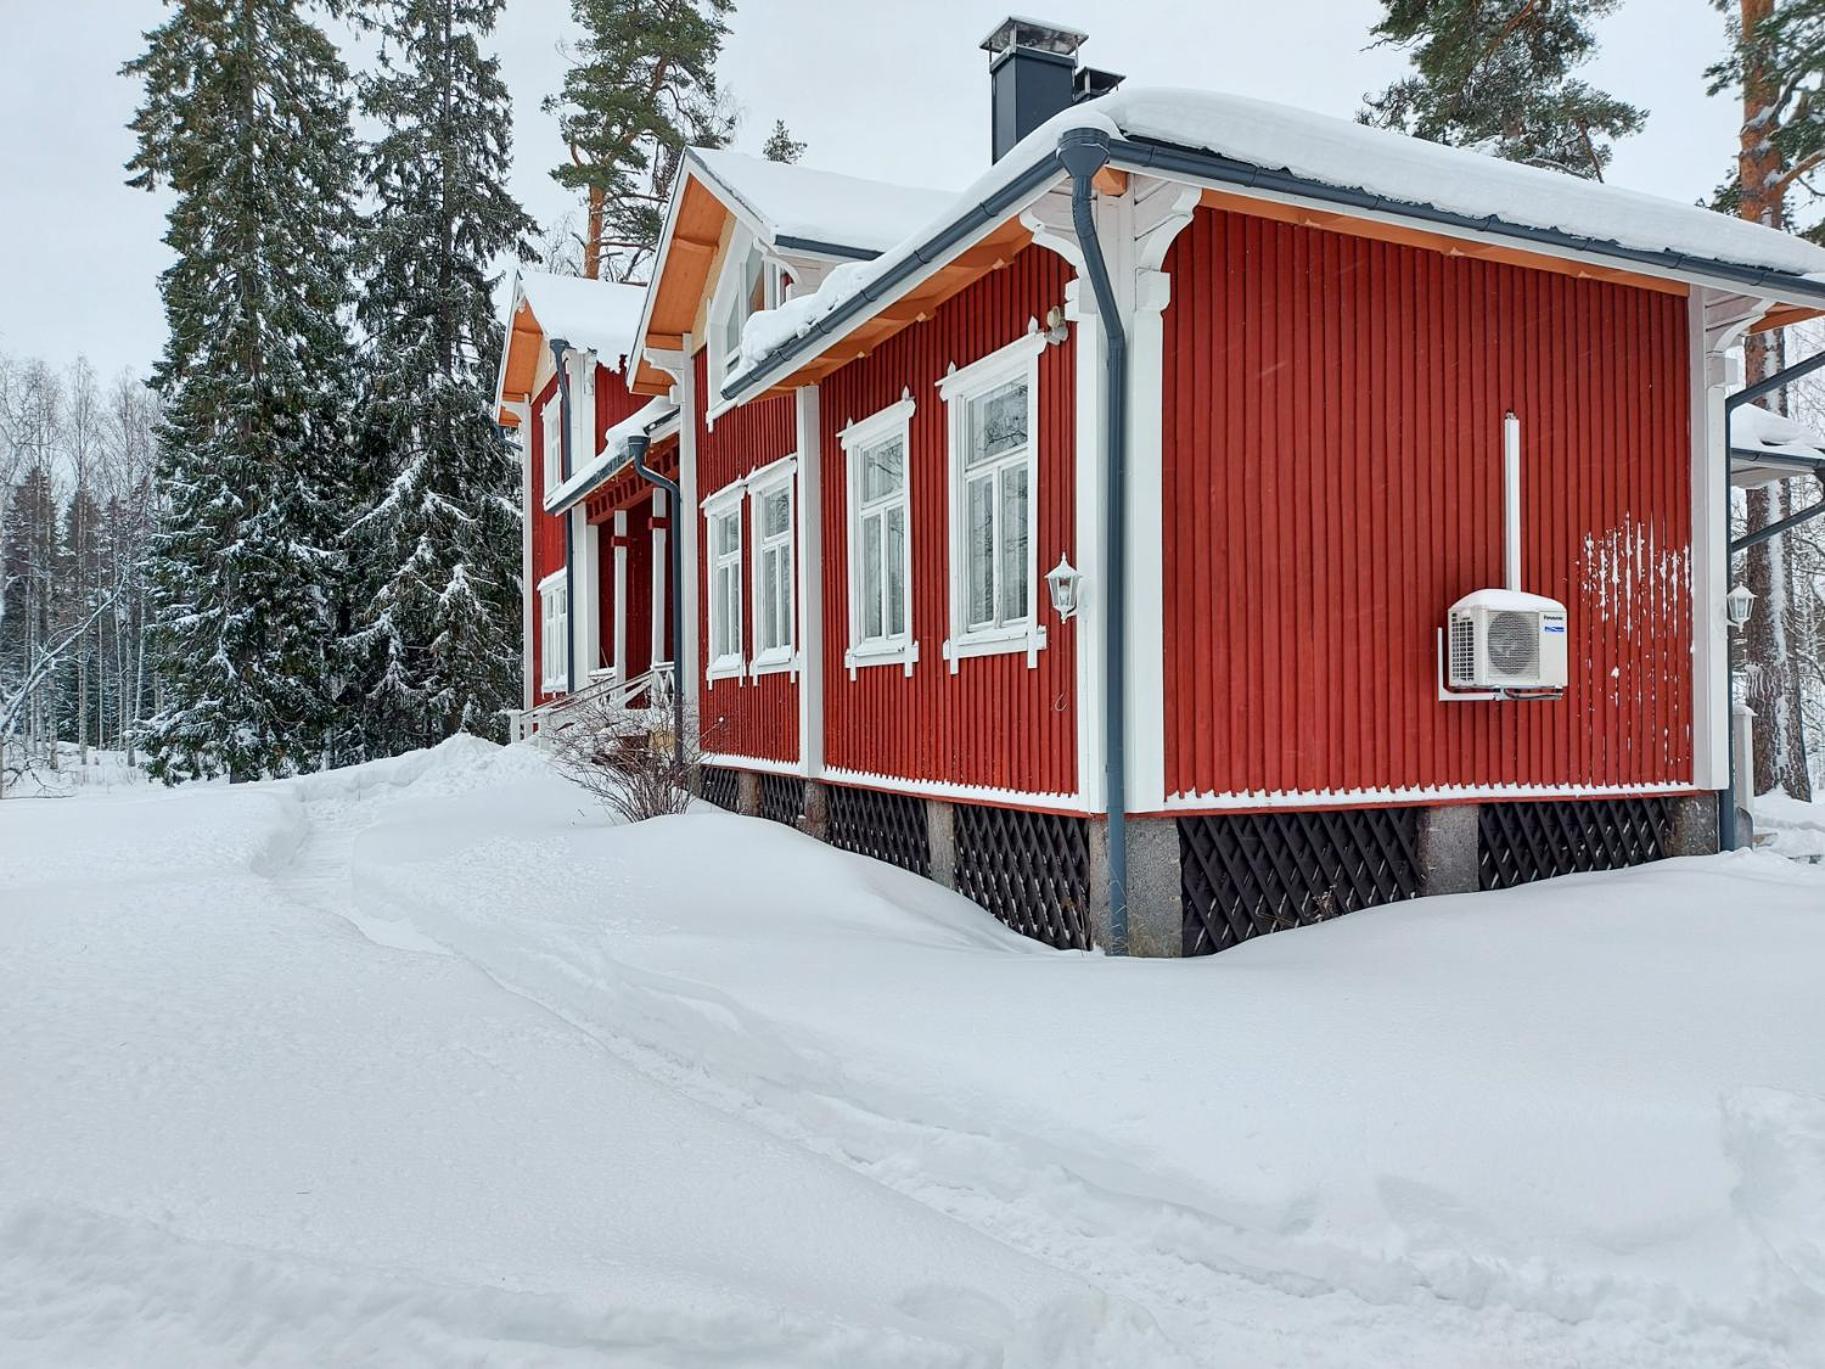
(439, 627)
(1776, 62)
(1496, 75)
(245, 118)
(781, 146)
(641, 88)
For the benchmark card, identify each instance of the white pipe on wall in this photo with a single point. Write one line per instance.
(1511, 502)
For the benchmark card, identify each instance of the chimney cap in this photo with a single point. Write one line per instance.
(1037, 34)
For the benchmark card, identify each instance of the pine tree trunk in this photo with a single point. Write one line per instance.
(592, 246)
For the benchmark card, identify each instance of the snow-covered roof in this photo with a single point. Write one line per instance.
(1766, 447)
(1368, 169)
(800, 205)
(653, 418)
(599, 316)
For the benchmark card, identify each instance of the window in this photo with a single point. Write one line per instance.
(723, 515)
(748, 285)
(993, 438)
(583, 409)
(552, 438)
(773, 607)
(880, 539)
(554, 633)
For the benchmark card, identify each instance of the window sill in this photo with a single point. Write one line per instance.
(860, 657)
(726, 668)
(997, 642)
(774, 663)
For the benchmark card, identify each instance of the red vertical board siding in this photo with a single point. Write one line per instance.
(995, 723)
(1333, 476)
(547, 532)
(639, 589)
(755, 717)
(614, 402)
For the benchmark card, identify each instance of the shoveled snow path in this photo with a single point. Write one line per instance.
(240, 1131)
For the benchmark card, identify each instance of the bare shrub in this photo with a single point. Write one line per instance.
(627, 757)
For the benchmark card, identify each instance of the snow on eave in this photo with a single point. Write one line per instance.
(791, 207)
(656, 417)
(591, 315)
(1250, 145)
(1766, 447)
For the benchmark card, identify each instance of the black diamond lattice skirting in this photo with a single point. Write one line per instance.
(889, 827)
(1521, 842)
(1031, 870)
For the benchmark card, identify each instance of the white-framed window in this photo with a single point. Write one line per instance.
(551, 436)
(722, 518)
(554, 633)
(993, 420)
(771, 492)
(582, 409)
(749, 283)
(876, 452)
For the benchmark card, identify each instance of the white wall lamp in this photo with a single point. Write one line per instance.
(1738, 605)
(1064, 581)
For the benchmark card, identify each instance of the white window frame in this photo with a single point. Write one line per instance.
(582, 409)
(766, 481)
(551, 437)
(730, 296)
(902, 649)
(554, 627)
(726, 502)
(1018, 361)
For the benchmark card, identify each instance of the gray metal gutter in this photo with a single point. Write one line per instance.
(815, 247)
(1083, 152)
(1144, 154)
(971, 220)
(610, 471)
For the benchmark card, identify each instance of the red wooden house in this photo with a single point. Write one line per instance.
(1218, 517)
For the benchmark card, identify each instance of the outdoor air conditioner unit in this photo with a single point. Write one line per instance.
(1505, 643)
(1503, 639)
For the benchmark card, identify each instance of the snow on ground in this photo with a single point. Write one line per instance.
(1793, 828)
(429, 1062)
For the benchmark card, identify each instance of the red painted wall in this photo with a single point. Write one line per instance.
(547, 533)
(755, 717)
(614, 402)
(996, 722)
(1332, 453)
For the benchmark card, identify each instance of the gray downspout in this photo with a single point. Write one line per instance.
(674, 545)
(558, 348)
(1083, 152)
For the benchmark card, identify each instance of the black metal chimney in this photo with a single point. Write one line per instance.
(1033, 75)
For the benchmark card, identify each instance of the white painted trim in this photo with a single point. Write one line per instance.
(943, 789)
(760, 483)
(1150, 218)
(1359, 798)
(554, 675)
(619, 662)
(811, 625)
(882, 426)
(522, 438)
(1017, 361)
(551, 441)
(730, 761)
(1090, 555)
(555, 578)
(1715, 323)
(661, 569)
(585, 590)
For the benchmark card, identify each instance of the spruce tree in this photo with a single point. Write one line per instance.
(245, 120)
(1775, 61)
(641, 88)
(439, 628)
(1496, 75)
(781, 146)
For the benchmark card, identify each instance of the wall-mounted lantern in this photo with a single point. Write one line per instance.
(1063, 582)
(1738, 605)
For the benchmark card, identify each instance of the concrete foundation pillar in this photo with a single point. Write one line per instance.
(1156, 916)
(1694, 826)
(1448, 855)
(941, 836)
(816, 822)
(747, 793)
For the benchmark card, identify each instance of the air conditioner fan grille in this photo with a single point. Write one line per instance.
(1514, 643)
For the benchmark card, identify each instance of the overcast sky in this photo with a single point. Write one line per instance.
(894, 89)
